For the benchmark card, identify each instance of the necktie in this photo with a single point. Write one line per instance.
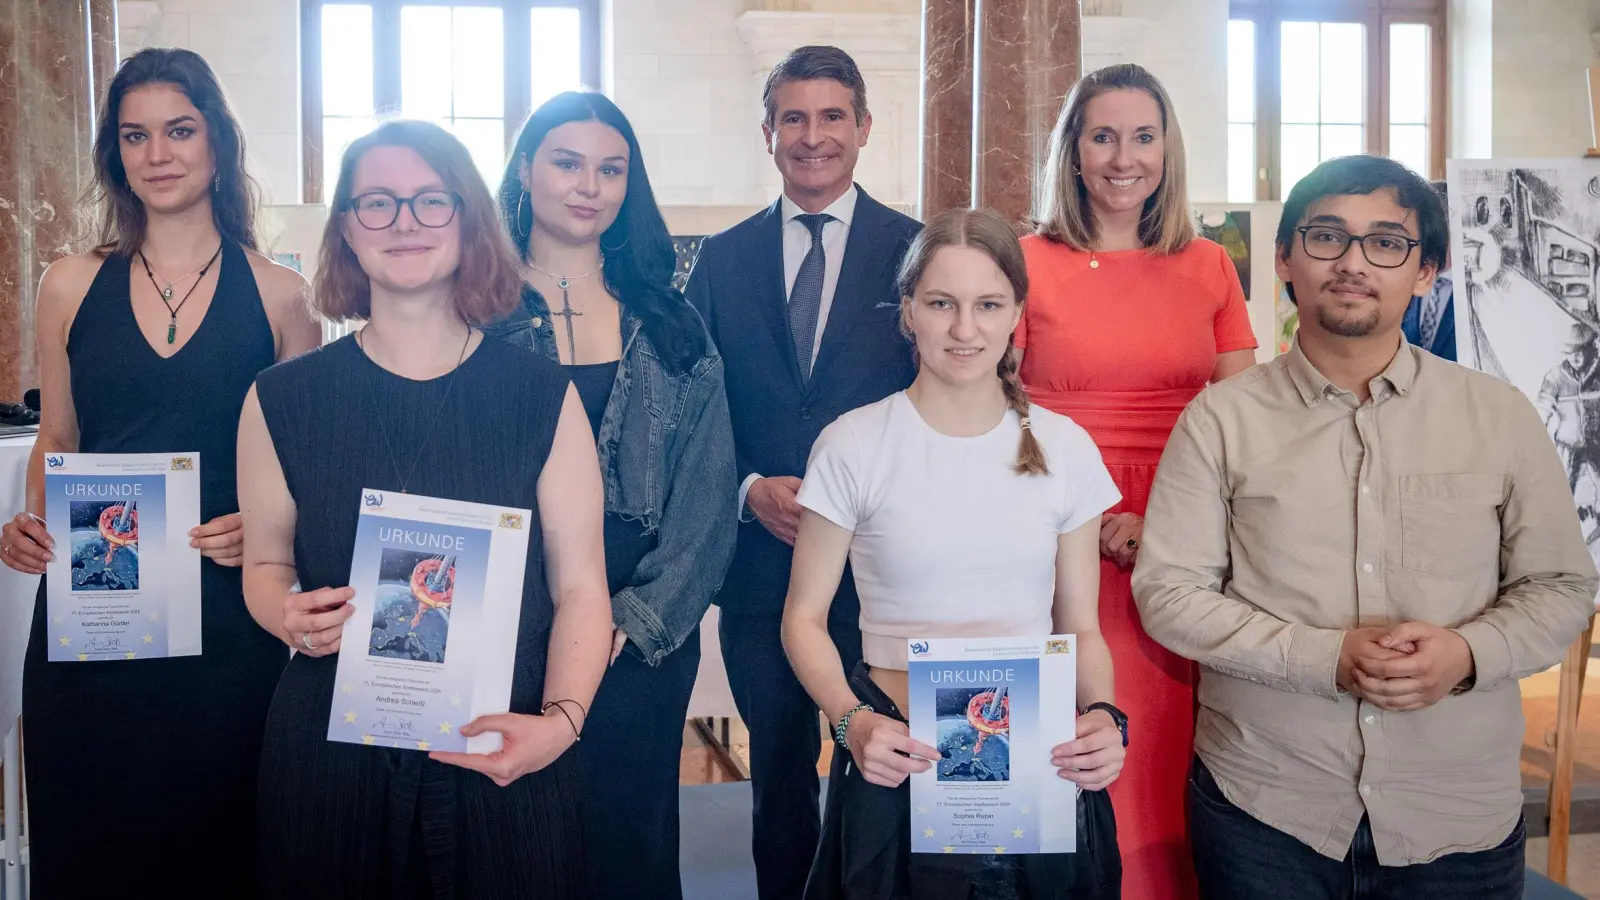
(805, 298)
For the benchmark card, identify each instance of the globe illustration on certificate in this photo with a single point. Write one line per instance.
(974, 731)
(411, 618)
(105, 545)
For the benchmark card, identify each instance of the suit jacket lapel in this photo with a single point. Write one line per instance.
(772, 296)
(857, 290)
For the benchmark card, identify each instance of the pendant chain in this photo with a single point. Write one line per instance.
(428, 429)
(166, 292)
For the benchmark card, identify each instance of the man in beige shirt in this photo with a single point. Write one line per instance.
(1364, 546)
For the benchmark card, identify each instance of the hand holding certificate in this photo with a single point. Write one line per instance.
(428, 637)
(128, 584)
(884, 749)
(1002, 713)
(528, 744)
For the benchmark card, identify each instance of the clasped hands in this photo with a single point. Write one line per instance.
(886, 753)
(1408, 667)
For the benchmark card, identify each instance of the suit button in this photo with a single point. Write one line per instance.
(805, 412)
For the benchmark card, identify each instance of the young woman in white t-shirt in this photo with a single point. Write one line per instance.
(963, 511)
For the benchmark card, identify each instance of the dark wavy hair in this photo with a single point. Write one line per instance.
(235, 196)
(639, 259)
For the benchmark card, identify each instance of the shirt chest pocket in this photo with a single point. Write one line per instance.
(1450, 524)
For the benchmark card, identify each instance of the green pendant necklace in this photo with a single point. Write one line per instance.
(166, 292)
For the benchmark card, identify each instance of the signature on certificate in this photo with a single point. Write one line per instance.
(973, 835)
(102, 644)
(405, 726)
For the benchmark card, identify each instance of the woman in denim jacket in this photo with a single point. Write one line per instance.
(598, 264)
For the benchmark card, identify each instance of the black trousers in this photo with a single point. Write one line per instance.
(1238, 857)
(630, 751)
(784, 745)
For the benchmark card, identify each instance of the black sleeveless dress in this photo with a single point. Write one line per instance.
(348, 821)
(141, 774)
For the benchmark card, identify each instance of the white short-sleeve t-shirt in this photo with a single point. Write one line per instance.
(949, 540)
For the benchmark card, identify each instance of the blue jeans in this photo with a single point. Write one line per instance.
(1238, 857)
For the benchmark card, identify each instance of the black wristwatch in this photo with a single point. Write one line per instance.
(1117, 716)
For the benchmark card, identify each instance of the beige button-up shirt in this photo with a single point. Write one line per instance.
(1285, 512)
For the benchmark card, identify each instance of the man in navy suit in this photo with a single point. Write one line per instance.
(800, 299)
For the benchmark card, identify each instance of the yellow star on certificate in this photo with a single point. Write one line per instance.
(155, 617)
(444, 727)
(349, 718)
(999, 849)
(65, 641)
(1016, 832)
(422, 745)
(368, 739)
(83, 657)
(1027, 810)
(149, 639)
(129, 655)
(922, 810)
(927, 832)
(345, 688)
(455, 699)
(57, 619)
(949, 849)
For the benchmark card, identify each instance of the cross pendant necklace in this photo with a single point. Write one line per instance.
(166, 292)
(567, 312)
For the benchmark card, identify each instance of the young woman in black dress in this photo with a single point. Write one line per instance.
(142, 774)
(579, 207)
(418, 402)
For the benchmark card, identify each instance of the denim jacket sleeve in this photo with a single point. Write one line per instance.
(674, 583)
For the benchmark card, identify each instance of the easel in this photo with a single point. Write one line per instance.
(1569, 698)
(1576, 664)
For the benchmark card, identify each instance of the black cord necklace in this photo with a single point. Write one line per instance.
(427, 432)
(166, 292)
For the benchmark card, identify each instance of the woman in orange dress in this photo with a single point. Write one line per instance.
(1130, 316)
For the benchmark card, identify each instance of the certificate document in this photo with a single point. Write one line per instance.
(431, 646)
(994, 707)
(125, 584)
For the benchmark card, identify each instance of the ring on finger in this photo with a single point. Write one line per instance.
(305, 640)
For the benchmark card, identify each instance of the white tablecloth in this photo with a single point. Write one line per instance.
(16, 590)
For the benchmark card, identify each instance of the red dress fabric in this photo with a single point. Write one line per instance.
(1122, 347)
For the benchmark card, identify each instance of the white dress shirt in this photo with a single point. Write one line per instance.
(796, 244)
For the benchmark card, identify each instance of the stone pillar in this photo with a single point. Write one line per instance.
(947, 55)
(47, 81)
(1028, 57)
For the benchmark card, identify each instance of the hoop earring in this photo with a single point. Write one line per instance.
(216, 183)
(523, 230)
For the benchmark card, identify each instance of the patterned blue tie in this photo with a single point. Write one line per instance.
(805, 298)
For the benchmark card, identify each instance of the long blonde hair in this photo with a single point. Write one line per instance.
(1061, 206)
(989, 232)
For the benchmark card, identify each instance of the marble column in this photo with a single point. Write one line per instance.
(947, 55)
(1028, 56)
(47, 83)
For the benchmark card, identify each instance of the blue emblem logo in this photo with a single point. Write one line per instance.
(372, 499)
(919, 648)
(55, 462)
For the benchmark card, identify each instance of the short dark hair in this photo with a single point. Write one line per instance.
(810, 63)
(1347, 175)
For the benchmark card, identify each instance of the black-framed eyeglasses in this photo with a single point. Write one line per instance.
(1386, 251)
(377, 210)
